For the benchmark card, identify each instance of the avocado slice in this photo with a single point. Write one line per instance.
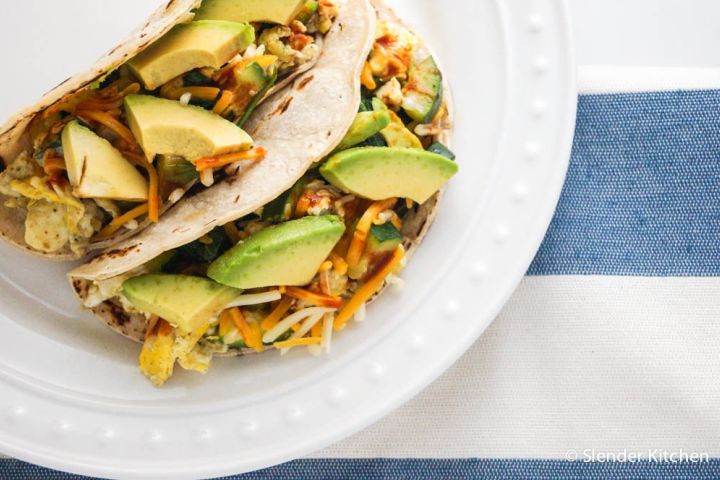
(378, 173)
(167, 127)
(185, 302)
(424, 91)
(290, 253)
(265, 11)
(398, 135)
(208, 43)
(365, 125)
(97, 170)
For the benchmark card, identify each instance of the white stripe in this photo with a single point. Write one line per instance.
(598, 80)
(572, 363)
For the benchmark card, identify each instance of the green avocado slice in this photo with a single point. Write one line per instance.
(207, 43)
(185, 302)
(378, 173)
(266, 11)
(288, 254)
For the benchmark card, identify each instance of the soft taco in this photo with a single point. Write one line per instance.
(162, 117)
(240, 276)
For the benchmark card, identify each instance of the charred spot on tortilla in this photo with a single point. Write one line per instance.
(237, 199)
(80, 287)
(329, 134)
(282, 108)
(58, 86)
(118, 312)
(304, 82)
(117, 253)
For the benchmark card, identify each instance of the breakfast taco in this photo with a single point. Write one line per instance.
(161, 118)
(330, 233)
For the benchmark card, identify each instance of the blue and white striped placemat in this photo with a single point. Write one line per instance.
(609, 349)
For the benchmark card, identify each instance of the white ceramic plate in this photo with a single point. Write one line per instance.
(71, 396)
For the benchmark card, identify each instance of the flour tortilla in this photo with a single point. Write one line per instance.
(12, 134)
(267, 180)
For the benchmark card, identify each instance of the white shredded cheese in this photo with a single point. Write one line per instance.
(328, 325)
(304, 329)
(315, 350)
(131, 225)
(176, 195)
(255, 299)
(274, 333)
(207, 177)
(361, 314)
(395, 282)
(185, 98)
(307, 326)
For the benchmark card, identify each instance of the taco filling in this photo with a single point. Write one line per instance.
(110, 157)
(303, 266)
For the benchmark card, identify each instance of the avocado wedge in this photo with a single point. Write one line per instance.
(289, 254)
(183, 301)
(378, 173)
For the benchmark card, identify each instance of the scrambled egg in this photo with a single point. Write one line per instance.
(55, 218)
(157, 359)
(165, 346)
(288, 57)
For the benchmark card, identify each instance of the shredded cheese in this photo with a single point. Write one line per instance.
(207, 178)
(328, 322)
(361, 314)
(275, 332)
(339, 264)
(367, 77)
(263, 60)
(257, 153)
(118, 223)
(370, 288)
(232, 232)
(298, 342)
(271, 320)
(317, 329)
(202, 93)
(225, 101)
(103, 118)
(251, 334)
(53, 165)
(131, 89)
(255, 299)
(317, 299)
(154, 200)
(357, 245)
(308, 325)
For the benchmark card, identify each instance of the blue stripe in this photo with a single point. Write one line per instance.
(642, 196)
(419, 469)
